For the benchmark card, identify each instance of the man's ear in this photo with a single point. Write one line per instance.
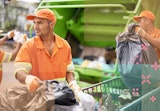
(51, 24)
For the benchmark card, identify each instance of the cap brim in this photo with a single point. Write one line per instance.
(136, 18)
(30, 17)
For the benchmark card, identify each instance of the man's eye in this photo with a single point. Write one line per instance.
(40, 23)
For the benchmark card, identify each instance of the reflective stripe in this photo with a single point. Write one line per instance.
(25, 66)
(7, 57)
(70, 67)
(71, 71)
(61, 79)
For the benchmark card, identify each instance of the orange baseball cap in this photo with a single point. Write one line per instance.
(43, 13)
(147, 14)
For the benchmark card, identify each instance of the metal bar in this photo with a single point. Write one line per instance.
(98, 84)
(144, 97)
(49, 1)
(137, 6)
(86, 6)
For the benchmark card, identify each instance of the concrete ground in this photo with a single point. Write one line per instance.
(8, 78)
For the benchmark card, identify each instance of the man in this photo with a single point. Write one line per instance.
(47, 56)
(147, 30)
(9, 56)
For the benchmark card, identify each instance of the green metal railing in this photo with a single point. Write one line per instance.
(148, 102)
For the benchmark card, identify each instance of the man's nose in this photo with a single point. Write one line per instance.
(35, 26)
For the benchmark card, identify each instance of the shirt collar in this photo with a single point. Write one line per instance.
(58, 42)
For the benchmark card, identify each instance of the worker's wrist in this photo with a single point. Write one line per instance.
(29, 79)
(72, 83)
(145, 35)
(21, 75)
(74, 86)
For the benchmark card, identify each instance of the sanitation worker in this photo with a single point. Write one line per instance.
(147, 29)
(9, 56)
(46, 56)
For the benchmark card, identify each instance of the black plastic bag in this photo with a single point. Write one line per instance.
(59, 93)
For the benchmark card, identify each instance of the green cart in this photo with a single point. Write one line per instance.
(148, 102)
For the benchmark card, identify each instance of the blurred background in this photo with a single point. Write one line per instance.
(13, 13)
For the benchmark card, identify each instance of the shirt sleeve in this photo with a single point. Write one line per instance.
(23, 61)
(5, 56)
(70, 66)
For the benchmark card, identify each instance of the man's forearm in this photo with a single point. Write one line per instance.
(21, 76)
(2, 40)
(69, 77)
(15, 51)
(154, 41)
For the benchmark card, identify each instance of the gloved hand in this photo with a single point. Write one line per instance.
(20, 37)
(32, 82)
(75, 88)
(140, 32)
(11, 34)
(23, 39)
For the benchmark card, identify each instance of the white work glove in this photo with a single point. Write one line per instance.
(11, 34)
(88, 102)
(75, 88)
(23, 39)
(140, 32)
(20, 37)
(32, 83)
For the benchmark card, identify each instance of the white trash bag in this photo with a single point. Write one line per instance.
(88, 102)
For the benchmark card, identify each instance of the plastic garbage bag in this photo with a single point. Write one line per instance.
(49, 94)
(88, 102)
(59, 93)
(135, 59)
(125, 97)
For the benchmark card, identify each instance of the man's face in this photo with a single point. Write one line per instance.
(143, 22)
(42, 26)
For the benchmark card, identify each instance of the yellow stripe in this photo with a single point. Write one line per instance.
(60, 79)
(70, 67)
(7, 57)
(23, 66)
(71, 71)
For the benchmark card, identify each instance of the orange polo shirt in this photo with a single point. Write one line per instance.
(34, 59)
(4, 57)
(156, 34)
